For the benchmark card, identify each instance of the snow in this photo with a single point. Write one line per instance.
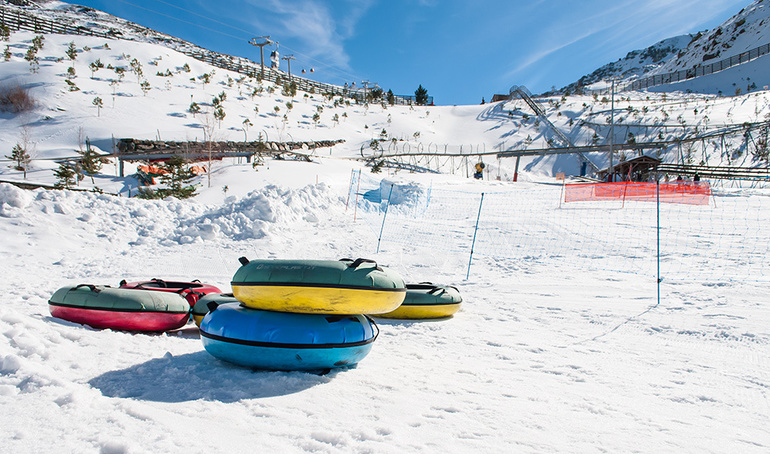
(545, 355)
(561, 344)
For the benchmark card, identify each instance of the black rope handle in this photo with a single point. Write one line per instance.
(92, 287)
(359, 261)
(374, 325)
(160, 282)
(436, 290)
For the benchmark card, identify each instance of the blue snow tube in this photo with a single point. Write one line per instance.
(285, 341)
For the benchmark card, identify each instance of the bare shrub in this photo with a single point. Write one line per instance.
(16, 99)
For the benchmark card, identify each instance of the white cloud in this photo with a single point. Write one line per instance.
(321, 31)
(604, 31)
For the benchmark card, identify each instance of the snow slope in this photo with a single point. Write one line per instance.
(636, 64)
(562, 346)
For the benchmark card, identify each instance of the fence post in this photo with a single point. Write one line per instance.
(358, 187)
(657, 205)
(350, 188)
(475, 230)
(383, 219)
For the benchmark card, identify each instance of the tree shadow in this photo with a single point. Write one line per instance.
(199, 375)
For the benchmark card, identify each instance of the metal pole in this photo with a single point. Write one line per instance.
(383, 219)
(288, 59)
(350, 188)
(358, 187)
(516, 171)
(264, 41)
(610, 173)
(475, 230)
(657, 191)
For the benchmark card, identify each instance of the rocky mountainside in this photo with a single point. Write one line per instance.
(637, 63)
(746, 30)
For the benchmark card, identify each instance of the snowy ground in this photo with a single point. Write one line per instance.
(545, 355)
(561, 344)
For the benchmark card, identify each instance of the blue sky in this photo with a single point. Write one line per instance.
(459, 50)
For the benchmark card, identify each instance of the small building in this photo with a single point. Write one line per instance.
(636, 169)
(496, 98)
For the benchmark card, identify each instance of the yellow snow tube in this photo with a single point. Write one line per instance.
(425, 301)
(318, 286)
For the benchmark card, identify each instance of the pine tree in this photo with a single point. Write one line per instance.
(220, 114)
(21, 158)
(136, 67)
(421, 96)
(99, 104)
(5, 32)
(95, 66)
(90, 162)
(72, 52)
(65, 176)
(177, 178)
(31, 57)
(391, 97)
(37, 42)
(194, 108)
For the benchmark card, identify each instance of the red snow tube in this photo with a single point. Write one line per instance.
(191, 291)
(122, 309)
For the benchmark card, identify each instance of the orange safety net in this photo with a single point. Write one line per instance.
(685, 192)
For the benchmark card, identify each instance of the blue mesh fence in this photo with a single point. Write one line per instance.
(723, 241)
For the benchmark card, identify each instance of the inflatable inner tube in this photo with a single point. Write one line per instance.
(204, 305)
(318, 286)
(192, 291)
(285, 341)
(122, 309)
(425, 301)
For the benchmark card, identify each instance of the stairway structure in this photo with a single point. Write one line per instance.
(521, 92)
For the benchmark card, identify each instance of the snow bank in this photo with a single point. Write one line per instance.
(252, 216)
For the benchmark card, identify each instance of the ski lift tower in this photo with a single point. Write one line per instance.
(289, 58)
(261, 42)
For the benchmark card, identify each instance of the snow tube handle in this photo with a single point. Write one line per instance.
(90, 286)
(212, 305)
(436, 290)
(244, 261)
(161, 283)
(374, 325)
(359, 261)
